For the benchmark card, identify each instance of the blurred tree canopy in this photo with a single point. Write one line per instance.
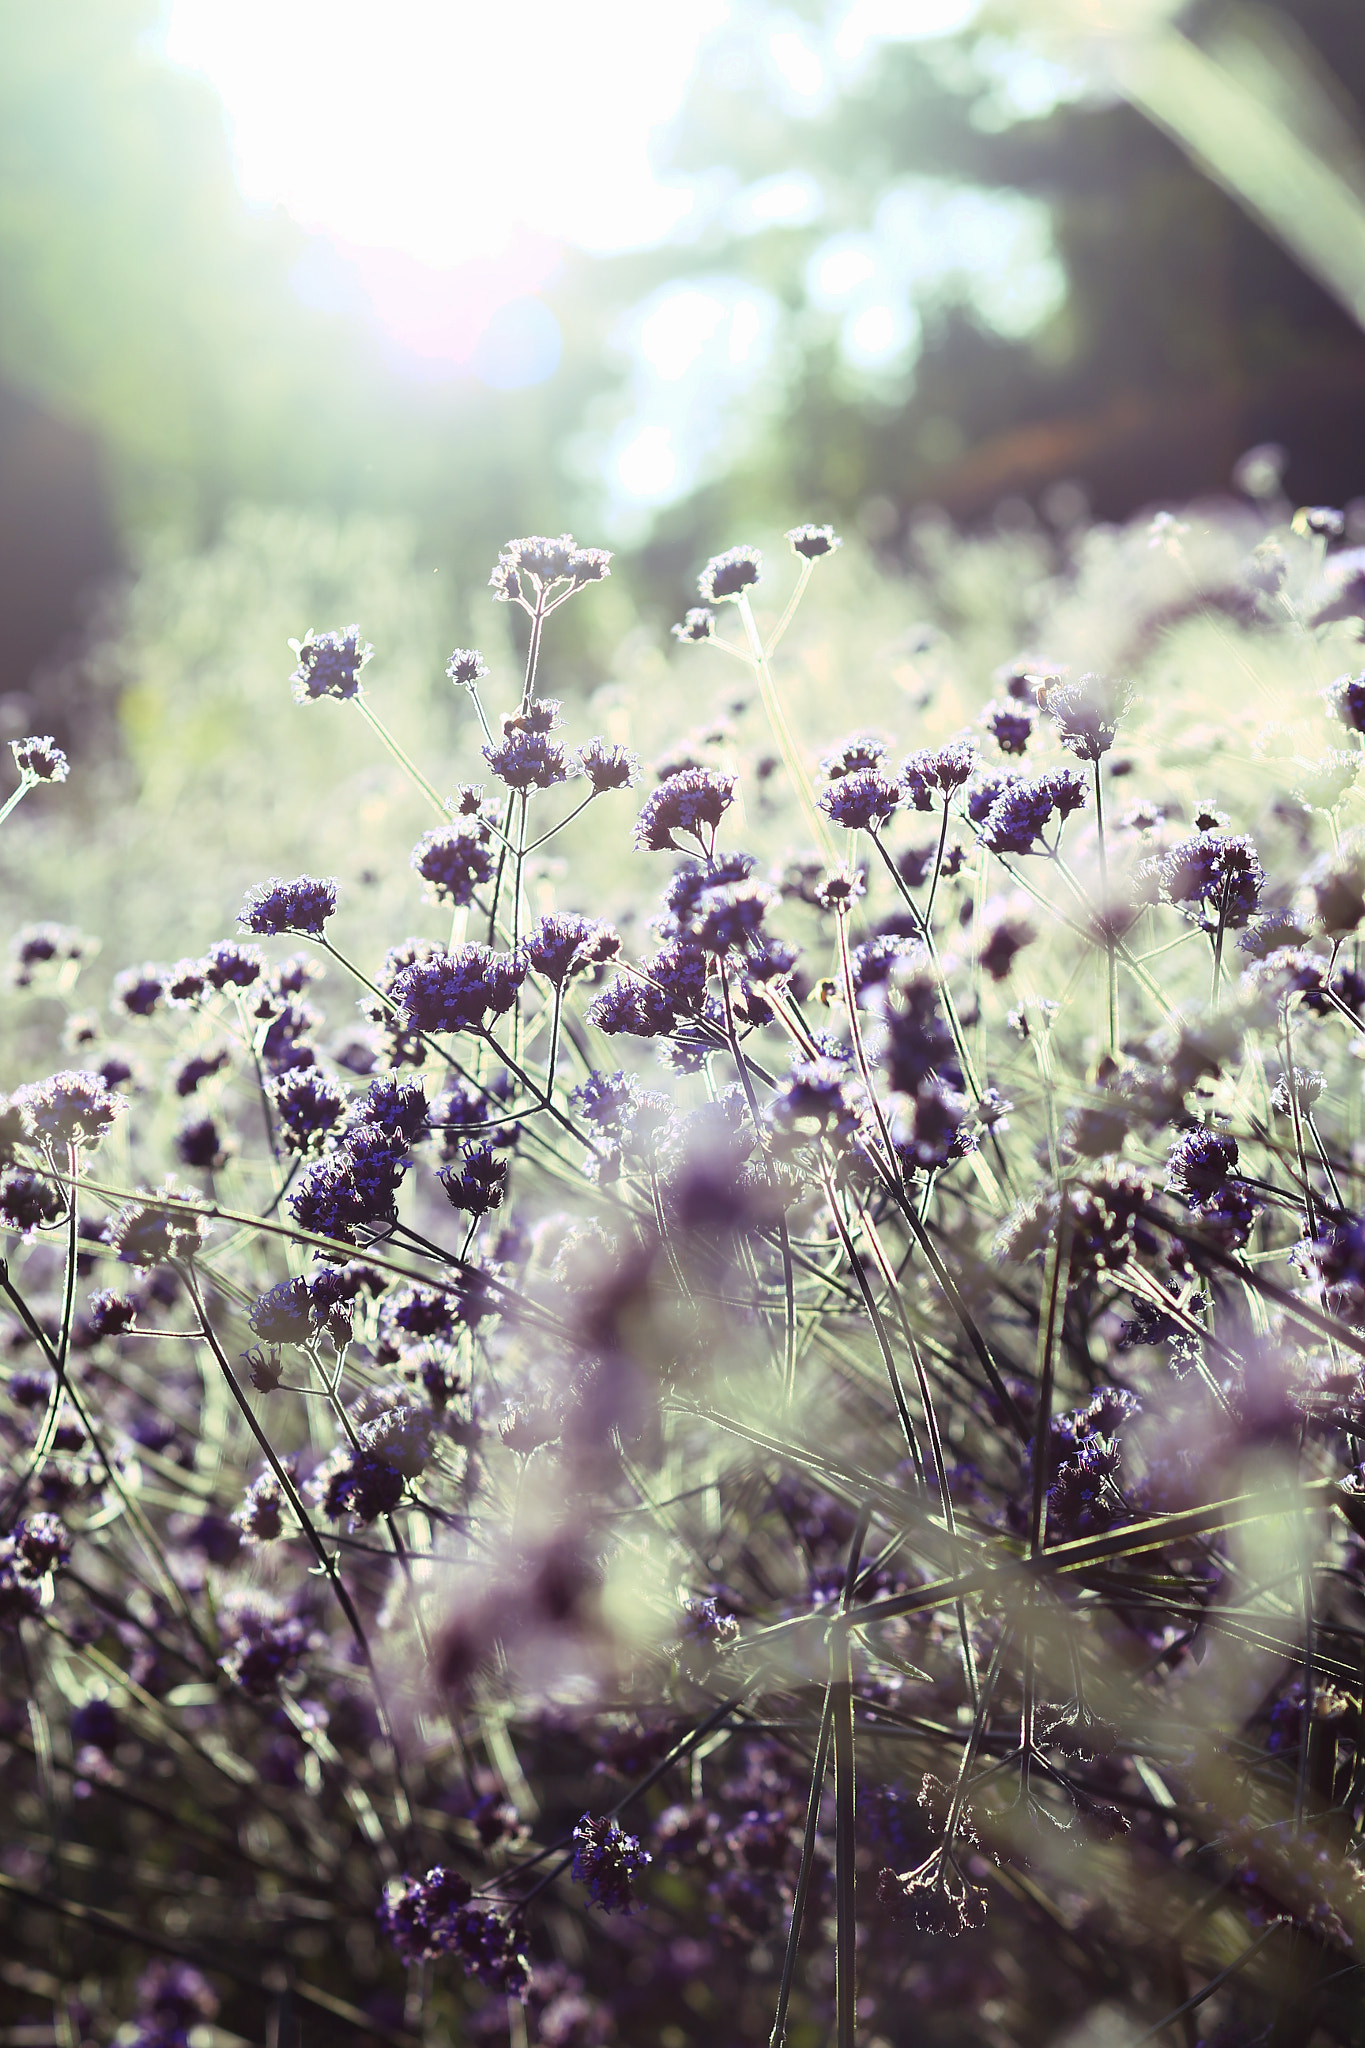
(145, 307)
(1186, 333)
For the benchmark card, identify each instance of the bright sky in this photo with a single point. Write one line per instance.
(443, 153)
(447, 147)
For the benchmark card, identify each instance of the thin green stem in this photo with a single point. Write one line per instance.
(404, 760)
(782, 733)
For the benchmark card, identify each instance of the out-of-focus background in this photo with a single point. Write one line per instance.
(305, 306)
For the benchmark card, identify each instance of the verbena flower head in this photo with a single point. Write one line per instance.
(527, 760)
(261, 1516)
(693, 802)
(39, 759)
(465, 667)
(458, 991)
(156, 1231)
(1200, 1161)
(185, 984)
(1015, 821)
(607, 1860)
(698, 624)
(329, 664)
(861, 801)
(453, 862)
(478, 1182)
(811, 542)
(608, 766)
(201, 1143)
(309, 1106)
(1346, 701)
(284, 1315)
(1010, 725)
(27, 1201)
(1087, 712)
(110, 1314)
(71, 1108)
(37, 949)
(730, 574)
(527, 571)
(932, 774)
(303, 905)
(860, 751)
(1214, 876)
(560, 945)
(265, 1646)
(136, 991)
(231, 965)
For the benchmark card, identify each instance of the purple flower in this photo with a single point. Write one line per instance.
(137, 990)
(1010, 726)
(1214, 876)
(465, 667)
(200, 1143)
(310, 1107)
(919, 1042)
(329, 664)
(876, 959)
(229, 964)
(699, 624)
(284, 1315)
(260, 1518)
(352, 1188)
(457, 991)
(670, 985)
(606, 1860)
(608, 766)
(530, 760)
(1015, 821)
(266, 1647)
(562, 945)
(184, 984)
(1199, 1161)
(39, 759)
(935, 772)
(536, 565)
(728, 574)
(817, 1098)
(861, 800)
(1346, 701)
(303, 905)
(477, 1183)
(811, 542)
(453, 862)
(397, 1108)
(110, 1313)
(418, 1912)
(1087, 713)
(70, 1108)
(27, 1202)
(693, 801)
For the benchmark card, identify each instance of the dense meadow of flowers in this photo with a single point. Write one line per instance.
(783, 1468)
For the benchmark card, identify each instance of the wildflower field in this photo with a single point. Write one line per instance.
(712, 1397)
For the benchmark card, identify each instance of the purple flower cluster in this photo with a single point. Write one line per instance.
(692, 802)
(453, 862)
(457, 991)
(529, 571)
(329, 664)
(303, 905)
(606, 1860)
(1016, 817)
(39, 759)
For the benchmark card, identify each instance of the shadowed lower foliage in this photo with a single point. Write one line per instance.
(783, 1467)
